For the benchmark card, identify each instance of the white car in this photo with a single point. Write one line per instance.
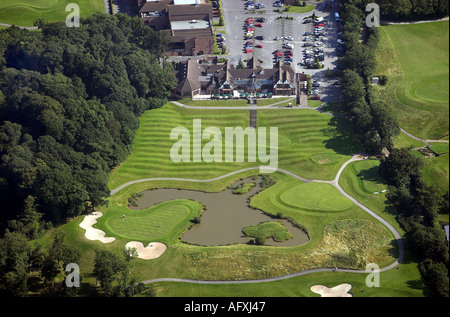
(288, 45)
(289, 38)
(318, 44)
(340, 41)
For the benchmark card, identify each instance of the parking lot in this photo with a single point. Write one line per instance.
(275, 30)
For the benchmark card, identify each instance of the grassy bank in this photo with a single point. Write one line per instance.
(26, 12)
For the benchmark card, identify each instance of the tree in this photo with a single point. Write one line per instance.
(240, 64)
(352, 86)
(435, 276)
(14, 257)
(107, 268)
(401, 168)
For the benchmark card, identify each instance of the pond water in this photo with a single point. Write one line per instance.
(225, 216)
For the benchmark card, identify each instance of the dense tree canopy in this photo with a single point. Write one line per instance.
(70, 99)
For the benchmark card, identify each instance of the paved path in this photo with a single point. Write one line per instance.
(411, 22)
(22, 27)
(422, 140)
(319, 108)
(179, 104)
(334, 182)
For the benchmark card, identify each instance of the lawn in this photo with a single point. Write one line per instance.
(26, 12)
(404, 282)
(303, 134)
(315, 197)
(300, 9)
(415, 58)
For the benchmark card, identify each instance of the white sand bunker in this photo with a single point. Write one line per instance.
(152, 251)
(337, 291)
(93, 233)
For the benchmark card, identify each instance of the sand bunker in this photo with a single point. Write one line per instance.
(93, 233)
(337, 291)
(152, 251)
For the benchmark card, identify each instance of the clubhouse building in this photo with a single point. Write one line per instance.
(225, 81)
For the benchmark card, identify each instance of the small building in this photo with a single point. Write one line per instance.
(446, 232)
(375, 80)
(188, 22)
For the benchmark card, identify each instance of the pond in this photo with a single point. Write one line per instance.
(225, 216)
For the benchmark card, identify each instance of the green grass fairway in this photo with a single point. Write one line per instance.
(26, 12)
(315, 196)
(436, 171)
(303, 134)
(416, 60)
(359, 179)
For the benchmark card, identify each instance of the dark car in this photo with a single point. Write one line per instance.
(260, 37)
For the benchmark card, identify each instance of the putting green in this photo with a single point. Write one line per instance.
(315, 196)
(155, 223)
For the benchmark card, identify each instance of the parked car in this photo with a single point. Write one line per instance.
(288, 45)
(248, 50)
(315, 97)
(259, 25)
(288, 52)
(288, 62)
(260, 37)
(260, 19)
(259, 46)
(308, 33)
(340, 41)
(318, 44)
(307, 44)
(315, 83)
(289, 59)
(289, 38)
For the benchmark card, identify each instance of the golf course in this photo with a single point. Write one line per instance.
(315, 160)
